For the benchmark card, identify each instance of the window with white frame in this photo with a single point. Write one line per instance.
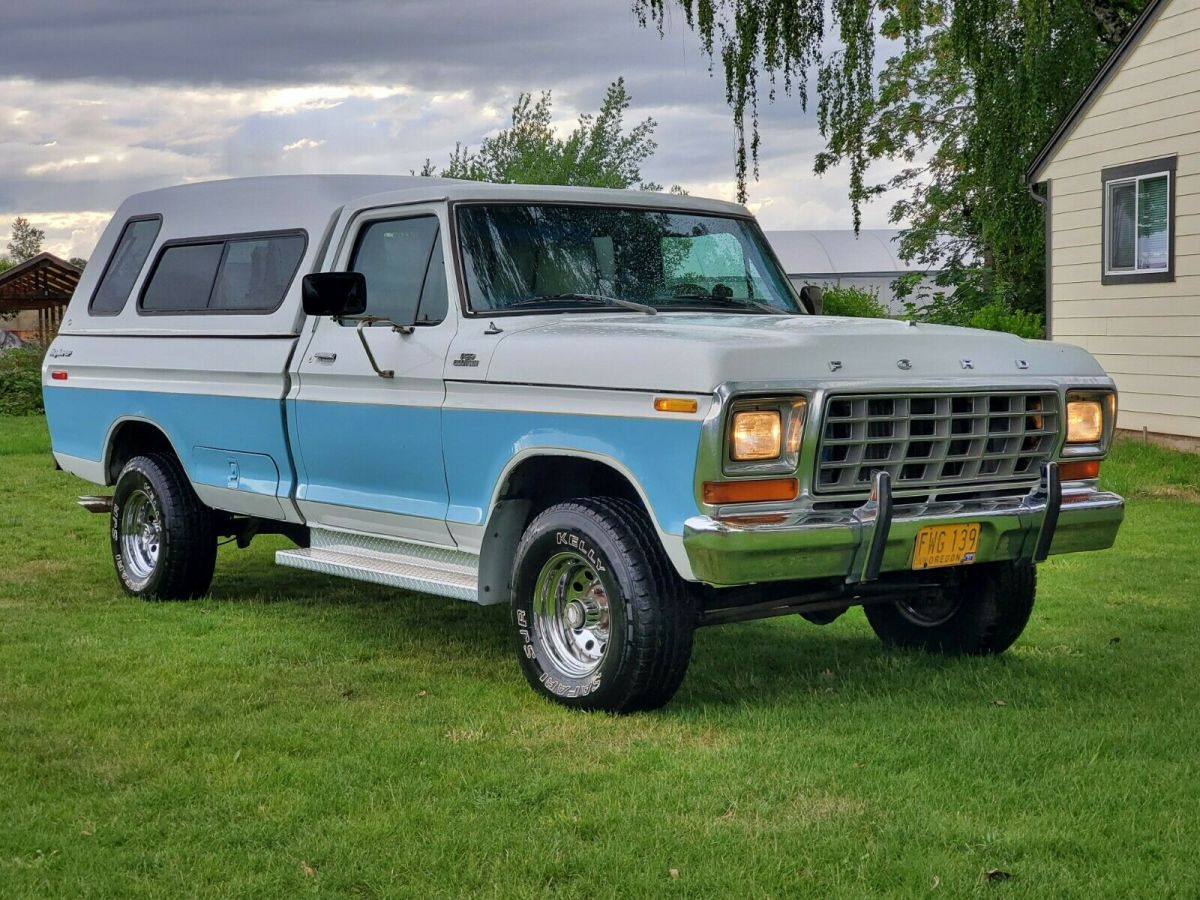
(1139, 222)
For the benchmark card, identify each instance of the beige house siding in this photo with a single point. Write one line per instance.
(1146, 335)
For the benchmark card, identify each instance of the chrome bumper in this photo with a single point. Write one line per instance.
(860, 544)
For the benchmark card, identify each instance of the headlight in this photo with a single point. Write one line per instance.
(1091, 418)
(756, 434)
(1085, 421)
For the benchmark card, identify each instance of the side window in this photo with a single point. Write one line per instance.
(183, 278)
(403, 264)
(233, 275)
(137, 237)
(255, 274)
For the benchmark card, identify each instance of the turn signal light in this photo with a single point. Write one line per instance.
(763, 491)
(675, 404)
(1076, 471)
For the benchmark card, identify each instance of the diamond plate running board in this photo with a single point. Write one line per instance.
(414, 567)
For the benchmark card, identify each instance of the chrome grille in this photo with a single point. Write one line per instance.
(935, 440)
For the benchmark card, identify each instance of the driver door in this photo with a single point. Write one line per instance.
(369, 447)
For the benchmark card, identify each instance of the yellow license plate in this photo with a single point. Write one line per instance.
(946, 545)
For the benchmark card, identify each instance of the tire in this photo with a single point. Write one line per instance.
(980, 611)
(623, 639)
(163, 542)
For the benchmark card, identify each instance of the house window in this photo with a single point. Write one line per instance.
(1139, 226)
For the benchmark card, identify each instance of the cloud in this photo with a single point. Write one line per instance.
(302, 144)
(103, 98)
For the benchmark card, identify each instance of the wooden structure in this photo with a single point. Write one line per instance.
(38, 291)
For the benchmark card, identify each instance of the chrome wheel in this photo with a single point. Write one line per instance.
(571, 614)
(140, 533)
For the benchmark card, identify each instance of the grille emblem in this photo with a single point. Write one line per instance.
(834, 365)
(905, 364)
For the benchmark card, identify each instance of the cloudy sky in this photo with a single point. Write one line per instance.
(102, 98)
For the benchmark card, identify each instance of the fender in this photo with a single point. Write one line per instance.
(506, 519)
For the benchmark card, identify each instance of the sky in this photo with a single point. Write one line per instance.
(103, 98)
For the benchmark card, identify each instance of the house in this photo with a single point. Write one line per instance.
(34, 295)
(1120, 180)
(869, 259)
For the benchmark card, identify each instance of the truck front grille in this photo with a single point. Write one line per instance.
(933, 440)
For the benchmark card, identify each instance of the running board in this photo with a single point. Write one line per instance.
(442, 571)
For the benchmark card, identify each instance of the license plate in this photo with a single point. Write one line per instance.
(946, 545)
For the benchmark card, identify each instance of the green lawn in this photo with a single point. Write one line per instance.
(296, 734)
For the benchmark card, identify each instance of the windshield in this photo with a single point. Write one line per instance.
(556, 257)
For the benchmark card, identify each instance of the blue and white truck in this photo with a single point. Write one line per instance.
(608, 409)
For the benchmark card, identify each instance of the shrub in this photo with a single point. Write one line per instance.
(996, 316)
(21, 381)
(853, 301)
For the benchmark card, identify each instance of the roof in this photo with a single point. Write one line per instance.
(289, 201)
(1110, 67)
(835, 252)
(40, 280)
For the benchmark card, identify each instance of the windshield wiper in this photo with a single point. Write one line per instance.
(740, 303)
(598, 299)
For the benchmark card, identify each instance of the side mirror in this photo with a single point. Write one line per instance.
(812, 297)
(335, 294)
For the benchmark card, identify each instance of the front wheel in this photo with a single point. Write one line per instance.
(163, 542)
(976, 611)
(602, 620)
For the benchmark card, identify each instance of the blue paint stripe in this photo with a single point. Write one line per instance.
(80, 420)
(660, 454)
(405, 477)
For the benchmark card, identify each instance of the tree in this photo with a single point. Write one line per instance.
(599, 152)
(26, 242)
(78, 262)
(975, 89)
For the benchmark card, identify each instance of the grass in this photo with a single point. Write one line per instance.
(297, 735)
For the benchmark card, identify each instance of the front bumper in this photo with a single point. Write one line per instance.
(877, 537)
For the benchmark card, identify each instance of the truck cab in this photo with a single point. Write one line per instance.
(609, 410)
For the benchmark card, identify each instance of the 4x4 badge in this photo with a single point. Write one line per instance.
(466, 359)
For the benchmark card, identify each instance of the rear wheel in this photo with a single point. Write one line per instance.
(163, 541)
(602, 620)
(977, 611)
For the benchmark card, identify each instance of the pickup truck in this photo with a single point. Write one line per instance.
(610, 410)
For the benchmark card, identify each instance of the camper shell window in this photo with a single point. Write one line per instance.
(223, 275)
(124, 265)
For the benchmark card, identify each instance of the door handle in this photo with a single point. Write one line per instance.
(324, 357)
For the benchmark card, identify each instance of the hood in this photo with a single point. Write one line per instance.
(695, 352)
